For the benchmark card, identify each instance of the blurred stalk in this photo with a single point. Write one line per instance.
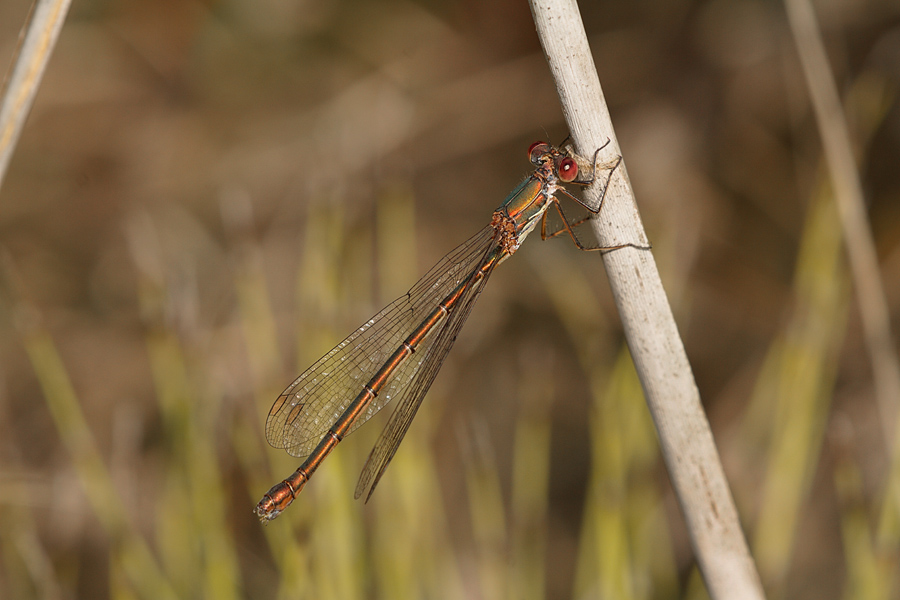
(196, 539)
(36, 44)
(396, 241)
(193, 540)
(796, 381)
(130, 552)
(319, 282)
(860, 247)
(655, 572)
(486, 509)
(625, 548)
(334, 273)
(291, 556)
(337, 534)
(605, 568)
(531, 475)
(411, 554)
(28, 566)
(807, 356)
(28, 569)
(257, 320)
(869, 576)
(838, 149)
(258, 326)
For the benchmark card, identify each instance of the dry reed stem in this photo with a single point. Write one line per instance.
(35, 48)
(656, 347)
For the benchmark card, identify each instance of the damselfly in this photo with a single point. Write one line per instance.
(398, 352)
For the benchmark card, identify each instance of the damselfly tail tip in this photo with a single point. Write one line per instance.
(280, 496)
(265, 510)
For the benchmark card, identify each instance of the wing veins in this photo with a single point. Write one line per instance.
(307, 408)
(386, 446)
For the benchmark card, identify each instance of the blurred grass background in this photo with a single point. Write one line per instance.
(210, 195)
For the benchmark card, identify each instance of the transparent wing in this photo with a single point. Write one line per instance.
(411, 397)
(305, 411)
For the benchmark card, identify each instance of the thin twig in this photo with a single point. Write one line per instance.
(858, 240)
(34, 51)
(656, 347)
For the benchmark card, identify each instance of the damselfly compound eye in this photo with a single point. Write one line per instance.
(536, 151)
(567, 169)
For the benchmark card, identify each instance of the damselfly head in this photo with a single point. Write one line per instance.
(565, 166)
(537, 151)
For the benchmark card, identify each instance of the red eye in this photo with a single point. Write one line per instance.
(536, 151)
(567, 169)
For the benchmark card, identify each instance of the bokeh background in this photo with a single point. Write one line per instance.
(209, 195)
